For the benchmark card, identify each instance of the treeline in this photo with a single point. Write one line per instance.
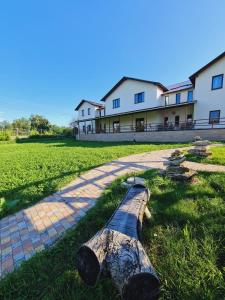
(35, 126)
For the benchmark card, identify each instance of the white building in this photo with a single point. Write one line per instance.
(135, 105)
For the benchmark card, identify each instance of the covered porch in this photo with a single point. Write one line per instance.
(176, 118)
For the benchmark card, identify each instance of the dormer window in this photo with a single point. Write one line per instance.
(89, 111)
(139, 97)
(217, 82)
(82, 112)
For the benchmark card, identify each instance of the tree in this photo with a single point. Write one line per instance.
(5, 125)
(21, 124)
(39, 123)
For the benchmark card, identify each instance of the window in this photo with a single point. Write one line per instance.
(190, 96)
(178, 98)
(89, 111)
(217, 82)
(116, 103)
(89, 128)
(214, 116)
(166, 100)
(84, 128)
(138, 98)
(82, 112)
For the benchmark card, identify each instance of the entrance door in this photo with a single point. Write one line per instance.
(177, 121)
(116, 126)
(166, 122)
(140, 124)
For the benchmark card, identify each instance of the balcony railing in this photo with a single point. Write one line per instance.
(168, 126)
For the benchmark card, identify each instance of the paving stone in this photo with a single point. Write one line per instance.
(38, 227)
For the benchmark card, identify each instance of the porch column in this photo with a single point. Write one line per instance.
(78, 130)
(132, 122)
(146, 122)
(119, 124)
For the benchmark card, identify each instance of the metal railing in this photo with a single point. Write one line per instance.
(167, 126)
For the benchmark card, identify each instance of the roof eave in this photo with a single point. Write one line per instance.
(194, 75)
(90, 102)
(131, 78)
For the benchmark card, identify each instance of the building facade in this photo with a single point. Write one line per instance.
(136, 106)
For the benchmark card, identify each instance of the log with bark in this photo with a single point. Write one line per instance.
(116, 250)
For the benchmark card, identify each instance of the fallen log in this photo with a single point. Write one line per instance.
(116, 250)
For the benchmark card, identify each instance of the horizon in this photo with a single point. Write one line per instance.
(55, 54)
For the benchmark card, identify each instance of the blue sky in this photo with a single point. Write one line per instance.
(54, 53)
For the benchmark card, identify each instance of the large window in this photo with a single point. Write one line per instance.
(190, 96)
(89, 111)
(82, 112)
(178, 98)
(116, 103)
(138, 98)
(214, 116)
(217, 82)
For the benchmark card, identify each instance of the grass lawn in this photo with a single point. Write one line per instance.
(217, 157)
(184, 240)
(33, 170)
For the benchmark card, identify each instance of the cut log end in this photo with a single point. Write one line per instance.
(88, 265)
(142, 286)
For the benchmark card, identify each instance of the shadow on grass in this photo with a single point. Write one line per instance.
(178, 224)
(22, 196)
(72, 142)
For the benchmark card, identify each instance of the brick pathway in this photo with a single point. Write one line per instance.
(36, 228)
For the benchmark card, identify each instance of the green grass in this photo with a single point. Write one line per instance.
(184, 240)
(33, 170)
(217, 157)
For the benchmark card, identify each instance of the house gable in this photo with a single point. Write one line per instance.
(134, 79)
(126, 92)
(212, 62)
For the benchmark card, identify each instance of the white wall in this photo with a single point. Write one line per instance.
(85, 106)
(126, 93)
(86, 123)
(183, 96)
(208, 99)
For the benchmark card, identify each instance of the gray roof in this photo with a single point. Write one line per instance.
(184, 85)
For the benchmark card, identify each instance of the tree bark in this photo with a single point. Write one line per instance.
(116, 250)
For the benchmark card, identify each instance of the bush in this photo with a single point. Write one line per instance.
(5, 136)
(34, 134)
(67, 132)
